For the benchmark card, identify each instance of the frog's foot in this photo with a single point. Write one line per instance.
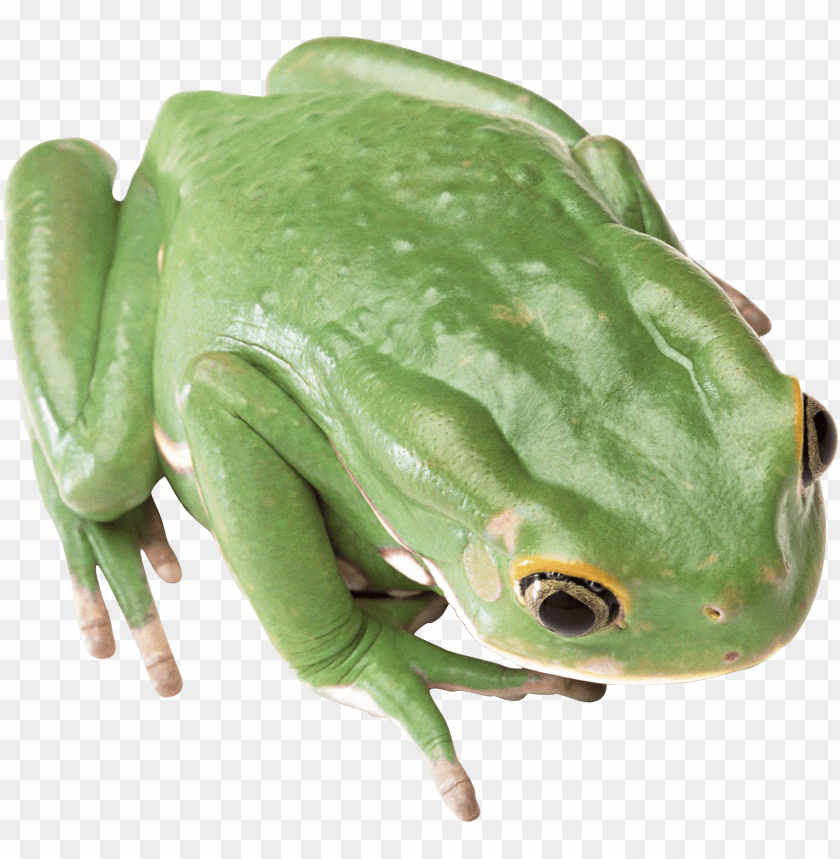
(115, 548)
(392, 677)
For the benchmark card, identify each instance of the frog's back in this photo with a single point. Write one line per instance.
(325, 237)
(387, 217)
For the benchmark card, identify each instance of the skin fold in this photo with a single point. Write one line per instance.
(403, 335)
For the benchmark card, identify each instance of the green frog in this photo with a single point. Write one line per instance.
(403, 335)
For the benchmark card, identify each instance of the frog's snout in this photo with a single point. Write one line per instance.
(819, 442)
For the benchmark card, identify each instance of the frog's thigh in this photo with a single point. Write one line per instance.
(264, 515)
(82, 291)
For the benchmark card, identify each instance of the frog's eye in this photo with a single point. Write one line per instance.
(566, 605)
(819, 443)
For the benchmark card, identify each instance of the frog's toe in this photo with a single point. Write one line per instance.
(94, 621)
(459, 673)
(550, 684)
(116, 549)
(157, 657)
(455, 788)
(756, 318)
(434, 608)
(152, 540)
(408, 612)
(580, 690)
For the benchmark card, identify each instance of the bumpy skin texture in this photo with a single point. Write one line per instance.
(399, 310)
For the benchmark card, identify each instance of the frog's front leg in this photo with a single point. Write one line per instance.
(269, 527)
(617, 175)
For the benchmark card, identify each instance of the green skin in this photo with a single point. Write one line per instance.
(397, 292)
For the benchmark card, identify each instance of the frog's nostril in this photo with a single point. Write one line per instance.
(819, 443)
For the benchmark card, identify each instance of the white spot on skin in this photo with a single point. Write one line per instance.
(402, 247)
(353, 697)
(160, 259)
(403, 561)
(351, 575)
(533, 268)
(505, 525)
(604, 666)
(177, 454)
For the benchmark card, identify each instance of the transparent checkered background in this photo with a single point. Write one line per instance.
(730, 114)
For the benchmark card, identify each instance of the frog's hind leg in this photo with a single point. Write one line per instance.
(82, 295)
(83, 286)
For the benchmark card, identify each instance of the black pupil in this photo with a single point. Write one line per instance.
(827, 435)
(562, 613)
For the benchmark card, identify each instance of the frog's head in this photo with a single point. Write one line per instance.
(644, 507)
(687, 581)
(722, 598)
